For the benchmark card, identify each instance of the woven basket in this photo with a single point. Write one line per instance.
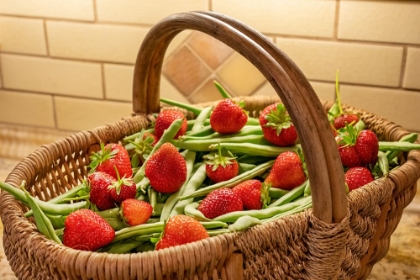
(341, 237)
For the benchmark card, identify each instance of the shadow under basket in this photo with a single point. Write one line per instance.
(341, 237)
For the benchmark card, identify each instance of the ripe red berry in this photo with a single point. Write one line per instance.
(228, 117)
(357, 177)
(166, 118)
(136, 212)
(345, 119)
(112, 158)
(253, 194)
(219, 202)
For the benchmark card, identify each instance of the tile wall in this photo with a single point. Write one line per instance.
(68, 65)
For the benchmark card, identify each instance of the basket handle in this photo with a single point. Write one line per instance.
(321, 154)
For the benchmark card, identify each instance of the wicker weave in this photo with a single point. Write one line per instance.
(334, 240)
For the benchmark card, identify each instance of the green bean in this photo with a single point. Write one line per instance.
(243, 167)
(276, 192)
(121, 247)
(305, 203)
(137, 134)
(290, 196)
(116, 223)
(243, 223)
(258, 170)
(214, 232)
(307, 191)
(360, 125)
(167, 136)
(410, 138)
(383, 163)
(246, 130)
(192, 211)
(213, 224)
(210, 144)
(222, 91)
(195, 110)
(260, 214)
(137, 231)
(255, 149)
(145, 247)
(42, 222)
(63, 197)
(398, 146)
(46, 207)
(57, 221)
(152, 199)
(203, 132)
(193, 184)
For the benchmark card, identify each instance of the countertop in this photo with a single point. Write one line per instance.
(401, 262)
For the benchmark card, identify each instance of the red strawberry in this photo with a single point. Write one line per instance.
(277, 126)
(253, 194)
(135, 212)
(344, 119)
(123, 189)
(181, 229)
(219, 202)
(221, 166)
(166, 169)
(143, 145)
(228, 117)
(357, 148)
(166, 118)
(367, 146)
(287, 172)
(86, 230)
(357, 177)
(110, 159)
(100, 195)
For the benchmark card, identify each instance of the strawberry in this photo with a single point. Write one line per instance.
(123, 189)
(287, 172)
(357, 177)
(100, 195)
(342, 120)
(357, 148)
(221, 166)
(166, 118)
(219, 202)
(367, 145)
(112, 158)
(253, 194)
(228, 117)
(166, 169)
(86, 230)
(143, 146)
(135, 212)
(277, 126)
(181, 229)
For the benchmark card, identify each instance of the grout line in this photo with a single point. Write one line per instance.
(46, 18)
(95, 11)
(336, 19)
(403, 64)
(103, 81)
(1, 74)
(210, 5)
(54, 106)
(47, 45)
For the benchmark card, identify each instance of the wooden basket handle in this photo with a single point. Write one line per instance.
(323, 162)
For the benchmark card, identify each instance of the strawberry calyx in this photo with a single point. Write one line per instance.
(278, 119)
(101, 156)
(265, 197)
(120, 182)
(143, 146)
(223, 157)
(347, 136)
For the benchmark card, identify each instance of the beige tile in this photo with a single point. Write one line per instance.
(385, 21)
(26, 108)
(111, 43)
(212, 51)
(167, 90)
(240, 75)
(118, 82)
(75, 9)
(177, 42)
(399, 106)
(291, 17)
(412, 69)
(185, 71)
(145, 11)
(324, 91)
(22, 35)
(51, 75)
(208, 92)
(357, 63)
(81, 114)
